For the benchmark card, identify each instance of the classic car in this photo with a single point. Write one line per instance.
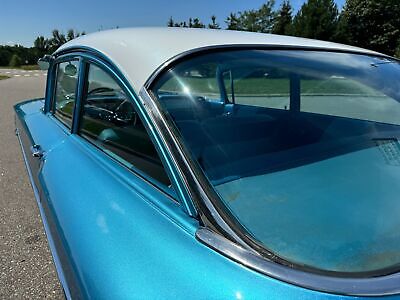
(184, 163)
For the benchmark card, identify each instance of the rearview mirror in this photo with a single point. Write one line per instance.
(43, 65)
(70, 70)
(44, 62)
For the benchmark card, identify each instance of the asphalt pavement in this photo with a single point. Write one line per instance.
(26, 265)
(22, 73)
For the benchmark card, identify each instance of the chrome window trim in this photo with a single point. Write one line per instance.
(220, 233)
(49, 85)
(86, 61)
(197, 188)
(194, 188)
(52, 102)
(89, 55)
(377, 286)
(159, 124)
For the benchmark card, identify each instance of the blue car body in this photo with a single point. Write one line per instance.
(115, 235)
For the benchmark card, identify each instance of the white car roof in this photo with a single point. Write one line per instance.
(138, 52)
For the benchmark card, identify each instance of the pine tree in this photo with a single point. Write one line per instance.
(232, 22)
(214, 24)
(170, 22)
(373, 24)
(283, 20)
(265, 16)
(256, 20)
(197, 23)
(317, 19)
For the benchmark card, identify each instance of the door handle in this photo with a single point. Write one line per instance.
(37, 151)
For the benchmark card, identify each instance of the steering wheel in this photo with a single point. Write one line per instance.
(101, 90)
(65, 102)
(200, 98)
(133, 115)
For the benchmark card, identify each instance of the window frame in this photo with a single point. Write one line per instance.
(79, 116)
(54, 75)
(85, 59)
(221, 229)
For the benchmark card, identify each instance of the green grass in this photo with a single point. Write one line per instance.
(270, 86)
(4, 77)
(23, 67)
(29, 67)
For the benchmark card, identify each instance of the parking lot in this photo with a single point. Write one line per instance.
(27, 269)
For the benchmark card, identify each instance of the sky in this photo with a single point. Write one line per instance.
(21, 21)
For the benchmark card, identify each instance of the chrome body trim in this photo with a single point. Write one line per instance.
(51, 243)
(90, 56)
(193, 180)
(225, 234)
(222, 234)
(160, 127)
(378, 286)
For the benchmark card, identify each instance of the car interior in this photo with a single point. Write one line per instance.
(272, 167)
(250, 140)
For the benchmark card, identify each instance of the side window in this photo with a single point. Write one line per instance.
(65, 92)
(109, 121)
(345, 97)
(246, 85)
(262, 87)
(201, 79)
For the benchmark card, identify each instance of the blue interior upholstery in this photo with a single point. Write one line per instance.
(256, 140)
(318, 190)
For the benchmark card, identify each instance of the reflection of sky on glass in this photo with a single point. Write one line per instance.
(337, 60)
(378, 73)
(369, 71)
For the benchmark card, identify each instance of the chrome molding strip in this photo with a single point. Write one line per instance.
(218, 234)
(378, 286)
(225, 234)
(227, 241)
(52, 247)
(160, 127)
(193, 180)
(92, 56)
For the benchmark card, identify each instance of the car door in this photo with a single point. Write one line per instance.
(105, 187)
(42, 132)
(37, 131)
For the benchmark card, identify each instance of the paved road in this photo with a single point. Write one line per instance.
(26, 266)
(22, 73)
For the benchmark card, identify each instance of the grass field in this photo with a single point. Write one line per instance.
(4, 77)
(29, 67)
(270, 86)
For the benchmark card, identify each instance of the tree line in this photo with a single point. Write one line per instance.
(18, 55)
(371, 24)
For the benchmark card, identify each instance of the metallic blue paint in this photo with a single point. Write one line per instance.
(123, 238)
(91, 56)
(117, 236)
(56, 258)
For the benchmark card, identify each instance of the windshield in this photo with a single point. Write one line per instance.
(301, 146)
